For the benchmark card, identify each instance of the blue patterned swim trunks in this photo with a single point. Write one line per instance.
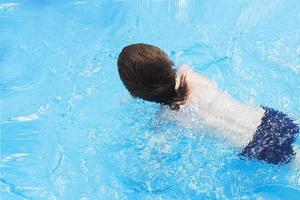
(273, 139)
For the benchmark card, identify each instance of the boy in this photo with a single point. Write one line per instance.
(262, 133)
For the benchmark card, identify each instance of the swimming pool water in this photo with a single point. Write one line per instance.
(70, 130)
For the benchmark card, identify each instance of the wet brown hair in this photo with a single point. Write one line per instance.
(147, 73)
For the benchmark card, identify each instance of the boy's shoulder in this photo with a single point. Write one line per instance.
(194, 78)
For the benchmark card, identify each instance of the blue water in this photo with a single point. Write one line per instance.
(70, 130)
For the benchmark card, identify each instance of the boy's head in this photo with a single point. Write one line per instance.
(147, 73)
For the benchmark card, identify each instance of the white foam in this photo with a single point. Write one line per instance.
(297, 157)
(33, 116)
(27, 118)
(14, 156)
(78, 3)
(8, 5)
